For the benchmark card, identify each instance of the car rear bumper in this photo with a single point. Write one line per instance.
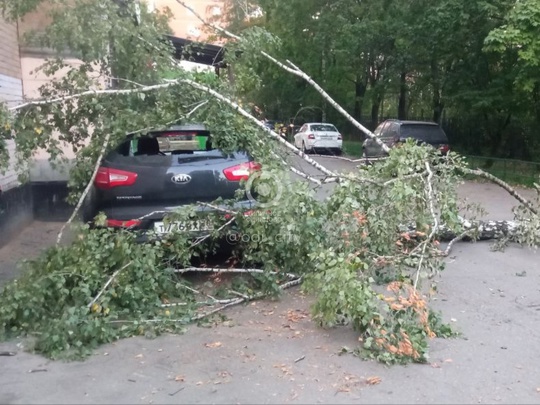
(325, 144)
(373, 150)
(151, 214)
(147, 231)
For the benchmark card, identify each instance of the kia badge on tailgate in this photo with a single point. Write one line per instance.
(181, 178)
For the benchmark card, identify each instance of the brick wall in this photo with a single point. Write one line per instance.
(10, 88)
(9, 50)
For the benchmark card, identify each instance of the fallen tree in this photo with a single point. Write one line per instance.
(381, 224)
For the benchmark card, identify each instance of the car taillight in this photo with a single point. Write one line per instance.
(115, 223)
(241, 172)
(107, 178)
(311, 136)
(339, 137)
(444, 148)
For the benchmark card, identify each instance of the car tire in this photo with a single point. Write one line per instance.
(87, 210)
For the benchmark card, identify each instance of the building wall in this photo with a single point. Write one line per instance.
(15, 199)
(10, 88)
(40, 168)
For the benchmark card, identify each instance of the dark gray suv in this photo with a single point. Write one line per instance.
(145, 178)
(394, 132)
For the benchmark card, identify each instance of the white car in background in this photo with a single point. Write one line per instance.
(315, 136)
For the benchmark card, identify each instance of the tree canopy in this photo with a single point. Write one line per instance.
(472, 65)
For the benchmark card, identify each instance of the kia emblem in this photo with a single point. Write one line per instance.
(181, 178)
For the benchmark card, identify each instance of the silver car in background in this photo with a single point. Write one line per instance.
(317, 136)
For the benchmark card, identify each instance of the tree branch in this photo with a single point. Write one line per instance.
(295, 70)
(250, 117)
(109, 281)
(237, 301)
(231, 270)
(435, 227)
(95, 92)
(86, 189)
(512, 191)
(197, 86)
(461, 236)
(201, 239)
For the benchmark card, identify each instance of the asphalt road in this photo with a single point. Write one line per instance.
(271, 352)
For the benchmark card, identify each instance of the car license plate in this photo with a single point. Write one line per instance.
(191, 226)
(327, 137)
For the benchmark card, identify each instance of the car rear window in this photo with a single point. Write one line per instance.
(167, 143)
(171, 142)
(323, 127)
(426, 133)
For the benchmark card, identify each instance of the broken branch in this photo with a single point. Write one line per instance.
(109, 281)
(295, 70)
(86, 189)
(512, 191)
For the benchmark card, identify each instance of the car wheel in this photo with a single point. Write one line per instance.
(88, 207)
(339, 152)
(367, 160)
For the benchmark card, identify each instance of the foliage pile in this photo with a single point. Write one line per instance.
(344, 248)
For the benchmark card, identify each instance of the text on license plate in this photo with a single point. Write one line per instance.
(191, 226)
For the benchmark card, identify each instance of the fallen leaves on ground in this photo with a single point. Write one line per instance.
(349, 381)
(139, 356)
(284, 368)
(297, 334)
(179, 378)
(247, 356)
(373, 380)
(225, 377)
(213, 345)
(296, 315)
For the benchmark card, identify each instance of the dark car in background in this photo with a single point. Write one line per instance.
(394, 132)
(145, 178)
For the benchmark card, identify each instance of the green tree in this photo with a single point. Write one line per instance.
(517, 41)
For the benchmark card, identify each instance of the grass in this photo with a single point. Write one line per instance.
(352, 148)
(512, 171)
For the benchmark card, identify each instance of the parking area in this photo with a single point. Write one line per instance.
(271, 352)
